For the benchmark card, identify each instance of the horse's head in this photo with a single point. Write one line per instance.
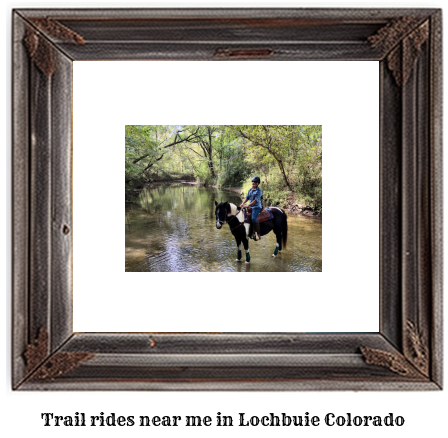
(221, 212)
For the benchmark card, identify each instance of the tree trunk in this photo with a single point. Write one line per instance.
(212, 168)
(282, 168)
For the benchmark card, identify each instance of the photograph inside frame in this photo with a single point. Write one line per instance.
(223, 198)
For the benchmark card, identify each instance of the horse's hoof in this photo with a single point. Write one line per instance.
(273, 255)
(247, 263)
(238, 260)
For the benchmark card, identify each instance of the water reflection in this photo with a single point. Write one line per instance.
(171, 228)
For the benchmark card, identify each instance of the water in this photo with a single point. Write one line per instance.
(172, 228)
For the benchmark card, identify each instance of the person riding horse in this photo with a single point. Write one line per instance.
(254, 195)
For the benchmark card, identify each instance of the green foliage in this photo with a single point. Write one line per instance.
(144, 146)
(203, 175)
(287, 158)
(234, 169)
(247, 185)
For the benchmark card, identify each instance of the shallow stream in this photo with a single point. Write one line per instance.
(171, 228)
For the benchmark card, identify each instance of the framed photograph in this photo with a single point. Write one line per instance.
(183, 342)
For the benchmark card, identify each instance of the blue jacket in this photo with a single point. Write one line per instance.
(255, 195)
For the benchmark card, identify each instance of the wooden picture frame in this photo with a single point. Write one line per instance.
(406, 353)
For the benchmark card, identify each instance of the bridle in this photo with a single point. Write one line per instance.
(231, 218)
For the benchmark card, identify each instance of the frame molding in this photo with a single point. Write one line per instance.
(406, 354)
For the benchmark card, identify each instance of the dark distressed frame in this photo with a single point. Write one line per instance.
(406, 354)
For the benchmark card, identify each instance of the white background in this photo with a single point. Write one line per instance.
(110, 95)
(425, 413)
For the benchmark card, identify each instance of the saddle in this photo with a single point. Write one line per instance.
(265, 215)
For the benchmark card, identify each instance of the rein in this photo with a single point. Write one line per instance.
(239, 223)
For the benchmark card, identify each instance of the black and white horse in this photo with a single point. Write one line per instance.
(234, 216)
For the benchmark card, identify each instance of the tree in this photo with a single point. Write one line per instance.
(204, 136)
(287, 157)
(273, 139)
(145, 145)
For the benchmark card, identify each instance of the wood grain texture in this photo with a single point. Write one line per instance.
(61, 193)
(20, 197)
(406, 354)
(436, 195)
(40, 207)
(390, 210)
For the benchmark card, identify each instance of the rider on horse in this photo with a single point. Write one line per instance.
(254, 195)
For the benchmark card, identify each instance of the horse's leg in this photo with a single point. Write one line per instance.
(278, 247)
(238, 243)
(246, 247)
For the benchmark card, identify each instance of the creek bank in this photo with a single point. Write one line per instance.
(291, 206)
(197, 183)
(302, 209)
(305, 210)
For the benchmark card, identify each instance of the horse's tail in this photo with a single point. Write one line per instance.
(284, 231)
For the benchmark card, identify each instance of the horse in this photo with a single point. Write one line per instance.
(234, 216)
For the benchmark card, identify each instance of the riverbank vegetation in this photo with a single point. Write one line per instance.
(287, 158)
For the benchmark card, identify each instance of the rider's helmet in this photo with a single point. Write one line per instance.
(256, 179)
